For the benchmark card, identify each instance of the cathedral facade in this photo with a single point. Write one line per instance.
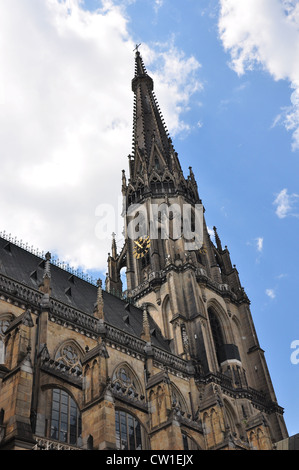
(172, 363)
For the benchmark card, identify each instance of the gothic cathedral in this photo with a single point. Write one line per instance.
(171, 363)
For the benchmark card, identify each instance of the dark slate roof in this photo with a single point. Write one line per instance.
(27, 268)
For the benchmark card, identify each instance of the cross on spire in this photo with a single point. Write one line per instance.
(136, 48)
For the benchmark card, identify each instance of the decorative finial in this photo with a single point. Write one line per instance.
(45, 286)
(47, 272)
(124, 180)
(145, 335)
(114, 249)
(99, 307)
(217, 239)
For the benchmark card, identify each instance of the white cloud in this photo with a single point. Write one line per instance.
(286, 204)
(176, 81)
(282, 276)
(59, 119)
(265, 33)
(158, 5)
(270, 293)
(66, 110)
(259, 244)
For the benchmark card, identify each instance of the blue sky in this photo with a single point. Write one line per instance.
(227, 80)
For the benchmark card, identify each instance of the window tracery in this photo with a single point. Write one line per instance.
(123, 378)
(69, 355)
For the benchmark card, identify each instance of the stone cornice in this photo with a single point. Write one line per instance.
(18, 293)
(134, 345)
(62, 372)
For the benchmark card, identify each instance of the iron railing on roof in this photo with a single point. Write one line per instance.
(41, 254)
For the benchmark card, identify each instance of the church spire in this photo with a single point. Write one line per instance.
(152, 147)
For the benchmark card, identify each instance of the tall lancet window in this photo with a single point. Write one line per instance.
(4, 323)
(157, 164)
(216, 333)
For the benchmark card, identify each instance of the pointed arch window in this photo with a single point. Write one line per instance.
(130, 434)
(157, 163)
(216, 333)
(168, 185)
(156, 185)
(4, 324)
(66, 424)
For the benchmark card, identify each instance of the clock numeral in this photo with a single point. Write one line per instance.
(142, 247)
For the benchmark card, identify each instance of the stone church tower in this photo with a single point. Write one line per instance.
(173, 363)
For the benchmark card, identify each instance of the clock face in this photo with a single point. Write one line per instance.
(141, 246)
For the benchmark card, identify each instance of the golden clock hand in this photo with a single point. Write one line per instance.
(140, 246)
